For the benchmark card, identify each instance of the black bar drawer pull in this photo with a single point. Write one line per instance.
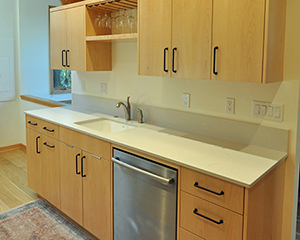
(67, 60)
(82, 175)
(62, 58)
(205, 189)
(37, 144)
(49, 130)
(49, 146)
(77, 163)
(34, 124)
(173, 61)
(207, 218)
(165, 50)
(214, 64)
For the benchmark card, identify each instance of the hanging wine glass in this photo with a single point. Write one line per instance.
(97, 20)
(104, 20)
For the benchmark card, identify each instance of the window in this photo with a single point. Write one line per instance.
(61, 81)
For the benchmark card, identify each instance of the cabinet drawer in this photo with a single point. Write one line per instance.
(185, 235)
(227, 225)
(233, 197)
(49, 129)
(85, 142)
(33, 123)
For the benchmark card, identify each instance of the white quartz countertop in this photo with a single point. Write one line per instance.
(234, 162)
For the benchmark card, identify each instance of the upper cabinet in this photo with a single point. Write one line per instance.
(69, 49)
(67, 39)
(248, 40)
(236, 40)
(183, 51)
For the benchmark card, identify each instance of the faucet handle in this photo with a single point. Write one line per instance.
(141, 118)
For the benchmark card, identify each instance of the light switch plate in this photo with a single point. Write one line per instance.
(267, 110)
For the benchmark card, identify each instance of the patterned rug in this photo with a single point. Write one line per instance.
(39, 220)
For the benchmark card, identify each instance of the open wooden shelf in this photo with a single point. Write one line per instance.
(126, 37)
(114, 5)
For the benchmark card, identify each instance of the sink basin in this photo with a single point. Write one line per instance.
(106, 125)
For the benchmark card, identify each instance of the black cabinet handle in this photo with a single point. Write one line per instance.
(67, 60)
(173, 60)
(214, 64)
(49, 130)
(77, 163)
(49, 146)
(37, 144)
(165, 69)
(207, 218)
(34, 124)
(82, 175)
(205, 189)
(62, 58)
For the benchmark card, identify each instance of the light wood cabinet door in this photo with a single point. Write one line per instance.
(191, 36)
(97, 196)
(50, 170)
(34, 160)
(71, 182)
(58, 39)
(75, 57)
(238, 32)
(154, 37)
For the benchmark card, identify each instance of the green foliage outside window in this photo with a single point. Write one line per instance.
(61, 79)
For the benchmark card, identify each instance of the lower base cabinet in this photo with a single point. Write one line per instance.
(85, 189)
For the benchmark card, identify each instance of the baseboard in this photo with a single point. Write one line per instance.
(13, 147)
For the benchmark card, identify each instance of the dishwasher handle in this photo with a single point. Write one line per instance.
(163, 180)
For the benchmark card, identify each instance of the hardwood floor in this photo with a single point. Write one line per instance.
(13, 180)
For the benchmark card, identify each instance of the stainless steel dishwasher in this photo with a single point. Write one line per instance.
(145, 198)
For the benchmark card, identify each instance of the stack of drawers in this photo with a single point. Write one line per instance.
(210, 208)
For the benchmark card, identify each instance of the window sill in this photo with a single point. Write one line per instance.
(43, 101)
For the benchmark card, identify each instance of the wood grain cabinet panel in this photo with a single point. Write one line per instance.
(67, 39)
(232, 197)
(86, 190)
(34, 160)
(183, 52)
(50, 170)
(49, 129)
(227, 225)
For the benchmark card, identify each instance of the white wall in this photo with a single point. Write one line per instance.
(9, 111)
(34, 48)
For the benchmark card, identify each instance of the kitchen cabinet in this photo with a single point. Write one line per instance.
(69, 49)
(67, 39)
(86, 182)
(211, 208)
(43, 159)
(219, 40)
(77, 172)
(175, 38)
(248, 40)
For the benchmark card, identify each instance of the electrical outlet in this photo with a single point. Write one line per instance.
(230, 105)
(103, 88)
(186, 100)
(83, 86)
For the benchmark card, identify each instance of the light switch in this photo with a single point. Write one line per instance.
(270, 111)
(263, 110)
(277, 113)
(256, 109)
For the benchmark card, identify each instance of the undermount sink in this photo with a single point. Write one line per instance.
(106, 125)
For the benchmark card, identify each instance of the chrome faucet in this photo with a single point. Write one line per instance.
(126, 107)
